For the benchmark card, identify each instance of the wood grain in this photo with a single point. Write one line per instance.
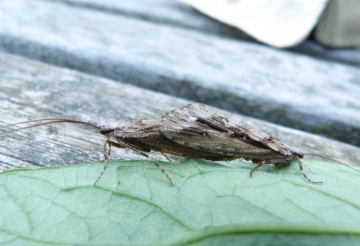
(31, 90)
(277, 86)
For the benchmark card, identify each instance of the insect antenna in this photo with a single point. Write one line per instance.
(45, 121)
(332, 158)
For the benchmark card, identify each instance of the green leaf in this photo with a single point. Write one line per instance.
(134, 204)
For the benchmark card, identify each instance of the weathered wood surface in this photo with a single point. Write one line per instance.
(164, 12)
(30, 90)
(178, 14)
(348, 56)
(278, 86)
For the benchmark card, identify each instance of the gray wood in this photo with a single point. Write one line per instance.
(278, 86)
(347, 56)
(176, 13)
(31, 90)
(164, 12)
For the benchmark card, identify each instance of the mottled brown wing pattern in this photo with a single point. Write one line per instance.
(139, 129)
(183, 126)
(242, 131)
(214, 142)
(206, 130)
(259, 138)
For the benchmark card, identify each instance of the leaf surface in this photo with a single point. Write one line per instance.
(133, 204)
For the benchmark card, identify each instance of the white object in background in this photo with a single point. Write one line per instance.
(339, 26)
(280, 23)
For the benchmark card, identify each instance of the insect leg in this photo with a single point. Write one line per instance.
(106, 156)
(256, 168)
(165, 156)
(157, 165)
(123, 145)
(302, 171)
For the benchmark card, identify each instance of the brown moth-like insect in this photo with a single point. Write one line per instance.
(193, 131)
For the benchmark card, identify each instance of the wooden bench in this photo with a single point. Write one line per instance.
(31, 90)
(175, 50)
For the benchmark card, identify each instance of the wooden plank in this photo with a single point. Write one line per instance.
(176, 13)
(347, 56)
(278, 86)
(30, 90)
(164, 12)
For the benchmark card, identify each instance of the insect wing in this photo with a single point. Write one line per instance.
(242, 131)
(205, 130)
(185, 125)
(139, 129)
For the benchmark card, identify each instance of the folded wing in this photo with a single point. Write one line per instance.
(201, 127)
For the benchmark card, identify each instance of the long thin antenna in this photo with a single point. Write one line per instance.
(30, 121)
(48, 121)
(332, 158)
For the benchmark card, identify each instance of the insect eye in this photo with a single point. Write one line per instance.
(300, 155)
(103, 129)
